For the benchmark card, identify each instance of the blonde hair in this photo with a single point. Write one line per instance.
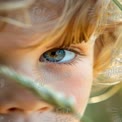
(77, 22)
(108, 49)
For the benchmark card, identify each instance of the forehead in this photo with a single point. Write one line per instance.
(43, 16)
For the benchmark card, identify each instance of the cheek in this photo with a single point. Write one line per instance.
(75, 80)
(78, 84)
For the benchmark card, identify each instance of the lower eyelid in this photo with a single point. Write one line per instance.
(73, 62)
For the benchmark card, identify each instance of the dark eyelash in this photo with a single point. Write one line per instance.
(73, 50)
(69, 49)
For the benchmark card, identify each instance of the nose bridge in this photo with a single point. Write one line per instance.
(15, 97)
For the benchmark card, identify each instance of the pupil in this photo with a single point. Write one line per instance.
(53, 53)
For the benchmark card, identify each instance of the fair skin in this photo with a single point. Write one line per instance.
(18, 50)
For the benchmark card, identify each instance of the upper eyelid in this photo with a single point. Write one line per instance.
(75, 50)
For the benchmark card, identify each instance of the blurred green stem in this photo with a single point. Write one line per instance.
(118, 4)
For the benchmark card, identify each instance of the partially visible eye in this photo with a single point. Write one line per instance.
(57, 55)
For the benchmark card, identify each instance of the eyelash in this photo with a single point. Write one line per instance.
(77, 58)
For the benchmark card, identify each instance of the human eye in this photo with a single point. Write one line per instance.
(58, 56)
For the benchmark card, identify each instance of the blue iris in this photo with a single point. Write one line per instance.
(54, 55)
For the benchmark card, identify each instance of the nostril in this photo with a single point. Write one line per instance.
(14, 109)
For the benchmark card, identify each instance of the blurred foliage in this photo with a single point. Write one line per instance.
(57, 100)
(118, 4)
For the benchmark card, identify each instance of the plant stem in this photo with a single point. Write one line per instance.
(118, 4)
(48, 95)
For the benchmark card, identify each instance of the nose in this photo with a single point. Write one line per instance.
(15, 98)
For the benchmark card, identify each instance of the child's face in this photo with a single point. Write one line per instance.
(22, 49)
